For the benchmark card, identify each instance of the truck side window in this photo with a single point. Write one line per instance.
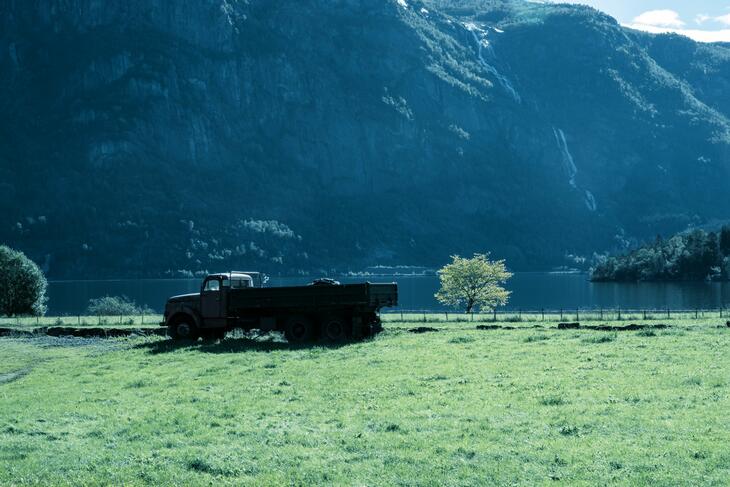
(212, 285)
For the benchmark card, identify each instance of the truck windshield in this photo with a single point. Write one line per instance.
(212, 285)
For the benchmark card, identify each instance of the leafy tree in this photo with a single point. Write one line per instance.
(473, 282)
(22, 285)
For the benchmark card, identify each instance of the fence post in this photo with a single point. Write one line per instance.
(495, 314)
(471, 313)
(561, 314)
(78, 320)
(577, 314)
(447, 316)
(520, 315)
(401, 315)
(601, 313)
(98, 319)
(644, 315)
(697, 312)
(669, 313)
(424, 316)
(619, 314)
(543, 314)
(143, 317)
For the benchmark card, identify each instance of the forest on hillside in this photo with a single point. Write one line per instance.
(692, 256)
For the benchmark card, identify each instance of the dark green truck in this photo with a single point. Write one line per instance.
(323, 309)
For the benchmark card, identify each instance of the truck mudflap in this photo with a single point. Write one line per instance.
(366, 326)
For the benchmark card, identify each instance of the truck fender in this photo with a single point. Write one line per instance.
(187, 312)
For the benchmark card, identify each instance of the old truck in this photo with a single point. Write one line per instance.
(323, 309)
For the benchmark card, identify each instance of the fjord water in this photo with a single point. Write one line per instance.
(530, 291)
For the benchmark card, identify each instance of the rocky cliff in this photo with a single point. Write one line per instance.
(148, 138)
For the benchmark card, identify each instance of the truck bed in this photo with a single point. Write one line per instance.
(367, 295)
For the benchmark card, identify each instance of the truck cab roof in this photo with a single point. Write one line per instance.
(253, 279)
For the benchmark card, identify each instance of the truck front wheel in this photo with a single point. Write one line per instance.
(299, 329)
(182, 329)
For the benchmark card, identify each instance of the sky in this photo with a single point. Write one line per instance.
(702, 20)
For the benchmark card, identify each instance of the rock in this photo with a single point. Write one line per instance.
(568, 326)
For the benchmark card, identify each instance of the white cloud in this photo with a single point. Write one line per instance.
(723, 19)
(696, 34)
(660, 18)
(702, 18)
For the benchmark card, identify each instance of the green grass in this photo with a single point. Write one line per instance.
(453, 407)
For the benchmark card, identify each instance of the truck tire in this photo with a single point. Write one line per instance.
(183, 330)
(299, 329)
(334, 328)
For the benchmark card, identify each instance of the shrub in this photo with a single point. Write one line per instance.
(114, 306)
(22, 285)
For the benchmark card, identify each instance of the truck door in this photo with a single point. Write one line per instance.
(212, 303)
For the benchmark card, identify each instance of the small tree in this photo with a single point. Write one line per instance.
(473, 282)
(22, 285)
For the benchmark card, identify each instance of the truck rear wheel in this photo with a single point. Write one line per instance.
(299, 329)
(334, 328)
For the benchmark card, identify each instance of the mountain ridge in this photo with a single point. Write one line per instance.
(162, 138)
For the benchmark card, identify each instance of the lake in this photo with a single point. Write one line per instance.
(530, 291)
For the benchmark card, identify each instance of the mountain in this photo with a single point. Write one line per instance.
(153, 138)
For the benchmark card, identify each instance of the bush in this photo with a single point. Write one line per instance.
(115, 306)
(22, 285)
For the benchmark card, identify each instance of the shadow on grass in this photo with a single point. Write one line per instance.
(234, 345)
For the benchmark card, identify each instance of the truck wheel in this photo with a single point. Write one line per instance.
(183, 330)
(298, 329)
(334, 329)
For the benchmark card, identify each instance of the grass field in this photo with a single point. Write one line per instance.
(457, 406)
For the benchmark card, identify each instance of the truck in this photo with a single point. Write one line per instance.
(323, 309)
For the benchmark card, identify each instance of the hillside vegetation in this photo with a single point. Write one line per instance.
(691, 256)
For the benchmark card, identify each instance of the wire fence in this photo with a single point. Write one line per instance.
(418, 316)
(82, 320)
(556, 315)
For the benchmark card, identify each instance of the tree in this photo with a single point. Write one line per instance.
(473, 282)
(725, 241)
(22, 285)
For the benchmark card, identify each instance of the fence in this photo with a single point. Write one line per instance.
(82, 320)
(415, 316)
(556, 315)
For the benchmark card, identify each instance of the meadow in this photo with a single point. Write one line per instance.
(531, 405)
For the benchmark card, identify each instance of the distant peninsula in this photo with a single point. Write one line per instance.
(689, 256)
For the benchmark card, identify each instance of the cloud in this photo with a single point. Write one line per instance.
(695, 34)
(702, 18)
(723, 19)
(660, 18)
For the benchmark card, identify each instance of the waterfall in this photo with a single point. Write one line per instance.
(503, 81)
